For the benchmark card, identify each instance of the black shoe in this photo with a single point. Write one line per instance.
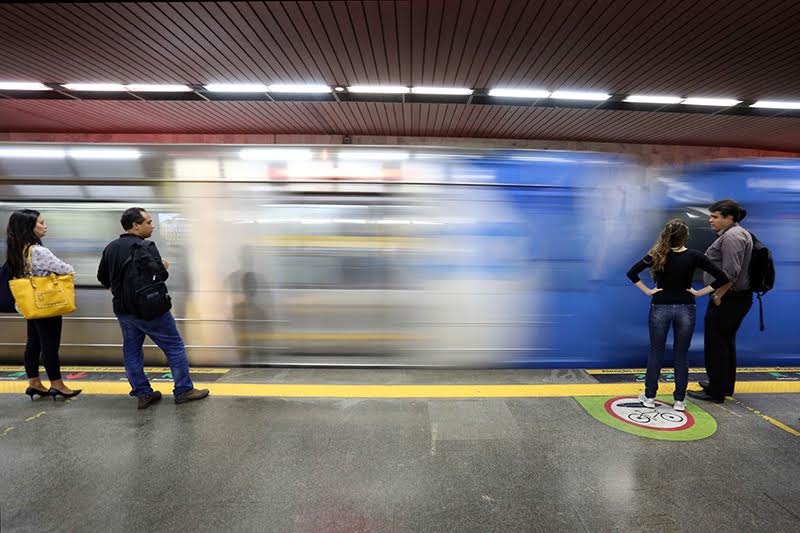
(191, 395)
(703, 395)
(704, 385)
(55, 393)
(146, 401)
(32, 391)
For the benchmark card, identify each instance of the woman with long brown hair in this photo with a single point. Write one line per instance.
(26, 228)
(672, 267)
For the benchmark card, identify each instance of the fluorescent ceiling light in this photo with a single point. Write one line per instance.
(109, 87)
(544, 158)
(23, 86)
(146, 88)
(378, 89)
(32, 153)
(441, 90)
(718, 102)
(367, 155)
(519, 93)
(275, 154)
(104, 153)
(775, 104)
(643, 99)
(236, 88)
(299, 88)
(575, 95)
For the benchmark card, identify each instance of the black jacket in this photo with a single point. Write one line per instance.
(109, 273)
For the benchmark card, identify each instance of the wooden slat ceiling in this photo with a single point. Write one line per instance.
(733, 48)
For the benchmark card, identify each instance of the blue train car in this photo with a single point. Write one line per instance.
(579, 221)
(571, 223)
(769, 189)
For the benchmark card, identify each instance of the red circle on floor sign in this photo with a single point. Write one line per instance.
(663, 418)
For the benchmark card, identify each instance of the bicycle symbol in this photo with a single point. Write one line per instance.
(663, 417)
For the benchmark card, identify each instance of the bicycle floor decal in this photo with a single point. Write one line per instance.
(628, 414)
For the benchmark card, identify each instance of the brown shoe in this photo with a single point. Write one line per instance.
(146, 401)
(191, 395)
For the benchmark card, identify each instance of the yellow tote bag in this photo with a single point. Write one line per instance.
(43, 296)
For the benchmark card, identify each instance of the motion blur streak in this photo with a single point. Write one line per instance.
(415, 256)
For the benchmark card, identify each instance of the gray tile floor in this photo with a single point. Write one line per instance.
(256, 464)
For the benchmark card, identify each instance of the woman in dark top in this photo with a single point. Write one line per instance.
(672, 266)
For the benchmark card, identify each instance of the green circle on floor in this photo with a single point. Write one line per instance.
(628, 414)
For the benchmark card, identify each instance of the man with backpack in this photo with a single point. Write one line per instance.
(731, 252)
(135, 272)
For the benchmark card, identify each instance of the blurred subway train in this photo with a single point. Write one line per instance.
(345, 255)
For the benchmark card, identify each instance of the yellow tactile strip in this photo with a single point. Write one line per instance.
(409, 391)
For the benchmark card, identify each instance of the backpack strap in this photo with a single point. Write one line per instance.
(760, 311)
(129, 259)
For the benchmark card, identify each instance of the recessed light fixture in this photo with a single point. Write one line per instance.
(643, 99)
(147, 88)
(519, 93)
(283, 88)
(103, 87)
(577, 95)
(339, 89)
(23, 86)
(455, 91)
(236, 88)
(378, 89)
(717, 102)
(776, 104)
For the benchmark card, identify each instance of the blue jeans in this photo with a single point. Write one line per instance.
(682, 317)
(165, 334)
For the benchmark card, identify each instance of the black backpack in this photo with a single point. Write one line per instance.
(762, 273)
(6, 298)
(144, 293)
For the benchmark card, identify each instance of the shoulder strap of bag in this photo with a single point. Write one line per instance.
(29, 260)
(128, 260)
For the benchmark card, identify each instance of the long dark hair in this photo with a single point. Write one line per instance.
(19, 236)
(674, 235)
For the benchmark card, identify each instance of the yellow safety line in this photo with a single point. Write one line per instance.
(110, 369)
(408, 391)
(369, 336)
(771, 420)
(780, 425)
(691, 370)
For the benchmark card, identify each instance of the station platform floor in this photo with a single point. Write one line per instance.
(317, 450)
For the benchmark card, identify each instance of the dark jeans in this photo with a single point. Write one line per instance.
(682, 317)
(721, 324)
(165, 334)
(44, 337)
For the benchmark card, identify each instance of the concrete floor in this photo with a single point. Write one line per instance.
(260, 464)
